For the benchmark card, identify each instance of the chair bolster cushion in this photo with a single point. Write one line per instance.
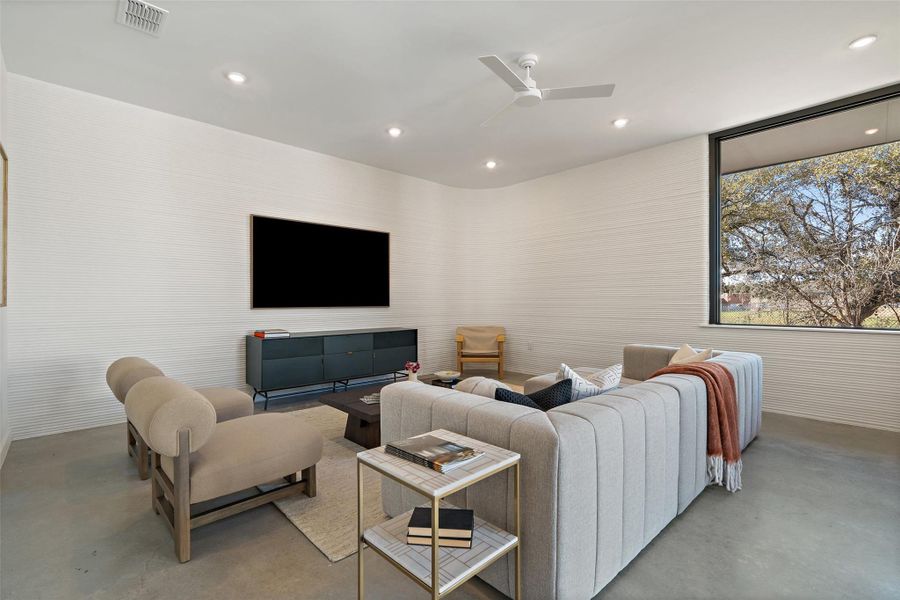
(228, 402)
(160, 407)
(125, 372)
(250, 451)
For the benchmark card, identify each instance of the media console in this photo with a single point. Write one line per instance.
(327, 357)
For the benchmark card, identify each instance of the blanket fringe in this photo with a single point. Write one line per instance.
(721, 473)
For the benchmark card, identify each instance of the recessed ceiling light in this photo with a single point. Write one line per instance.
(236, 77)
(872, 131)
(620, 123)
(866, 40)
(395, 132)
(491, 164)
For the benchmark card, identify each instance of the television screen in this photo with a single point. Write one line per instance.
(298, 264)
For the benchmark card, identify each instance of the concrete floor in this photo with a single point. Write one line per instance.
(819, 518)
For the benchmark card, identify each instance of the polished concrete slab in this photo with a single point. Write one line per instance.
(819, 517)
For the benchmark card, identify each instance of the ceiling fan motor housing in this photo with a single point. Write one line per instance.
(529, 97)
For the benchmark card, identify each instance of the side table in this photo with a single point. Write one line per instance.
(439, 570)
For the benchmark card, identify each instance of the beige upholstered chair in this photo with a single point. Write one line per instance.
(483, 344)
(194, 459)
(228, 403)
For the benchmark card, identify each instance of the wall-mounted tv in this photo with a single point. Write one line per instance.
(306, 265)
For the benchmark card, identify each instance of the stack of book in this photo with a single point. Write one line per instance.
(455, 527)
(371, 398)
(433, 452)
(269, 334)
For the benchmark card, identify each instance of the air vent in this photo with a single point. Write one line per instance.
(141, 16)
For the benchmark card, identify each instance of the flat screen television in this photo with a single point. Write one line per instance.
(305, 265)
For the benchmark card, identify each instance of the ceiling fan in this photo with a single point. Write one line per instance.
(526, 91)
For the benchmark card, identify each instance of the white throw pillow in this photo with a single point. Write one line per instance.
(481, 386)
(608, 378)
(687, 355)
(581, 387)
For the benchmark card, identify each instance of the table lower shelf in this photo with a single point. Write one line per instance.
(456, 564)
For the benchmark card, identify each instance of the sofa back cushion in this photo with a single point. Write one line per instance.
(641, 361)
(480, 386)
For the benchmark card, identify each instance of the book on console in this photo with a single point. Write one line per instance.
(271, 333)
(454, 523)
(433, 452)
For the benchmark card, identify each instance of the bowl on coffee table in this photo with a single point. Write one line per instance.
(447, 376)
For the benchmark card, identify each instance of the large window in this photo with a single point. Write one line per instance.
(805, 217)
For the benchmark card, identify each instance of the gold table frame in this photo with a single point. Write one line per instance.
(434, 588)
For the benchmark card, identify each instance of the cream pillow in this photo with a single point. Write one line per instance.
(687, 355)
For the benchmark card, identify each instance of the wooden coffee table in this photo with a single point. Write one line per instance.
(363, 420)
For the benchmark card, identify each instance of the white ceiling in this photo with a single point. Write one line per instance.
(836, 132)
(332, 77)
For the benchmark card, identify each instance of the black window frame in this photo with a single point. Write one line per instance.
(715, 163)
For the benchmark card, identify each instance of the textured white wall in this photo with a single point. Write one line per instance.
(580, 263)
(131, 237)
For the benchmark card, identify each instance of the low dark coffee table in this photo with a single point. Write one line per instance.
(363, 420)
(447, 384)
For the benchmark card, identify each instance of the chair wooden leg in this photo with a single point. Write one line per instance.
(182, 504)
(130, 442)
(138, 450)
(142, 458)
(500, 370)
(155, 489)
(309, 475)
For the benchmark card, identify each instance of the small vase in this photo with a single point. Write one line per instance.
(413, 376)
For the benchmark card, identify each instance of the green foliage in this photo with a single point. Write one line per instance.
(817, 241)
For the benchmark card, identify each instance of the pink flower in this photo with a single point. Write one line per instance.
(413, 367)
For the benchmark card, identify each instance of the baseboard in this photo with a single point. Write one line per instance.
(5, 441)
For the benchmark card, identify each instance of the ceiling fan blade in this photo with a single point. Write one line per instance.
(503, 72)
(497, 114)
(581, 91)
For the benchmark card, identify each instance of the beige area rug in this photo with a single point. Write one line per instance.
(329, 519)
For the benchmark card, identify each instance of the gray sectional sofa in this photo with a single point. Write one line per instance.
(601, 477)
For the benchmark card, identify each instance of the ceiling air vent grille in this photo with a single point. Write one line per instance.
(141, 16)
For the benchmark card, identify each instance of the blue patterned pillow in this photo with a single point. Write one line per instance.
(556, 395)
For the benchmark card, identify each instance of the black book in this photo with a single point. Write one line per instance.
(453, 523)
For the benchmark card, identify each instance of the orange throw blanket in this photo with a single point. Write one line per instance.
(723, 447)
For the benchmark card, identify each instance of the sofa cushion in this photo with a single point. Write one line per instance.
(250, 451)
(228, 402)
(556, 395)
(480, 386)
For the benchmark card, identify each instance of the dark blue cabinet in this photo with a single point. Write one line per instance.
(327, 357)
